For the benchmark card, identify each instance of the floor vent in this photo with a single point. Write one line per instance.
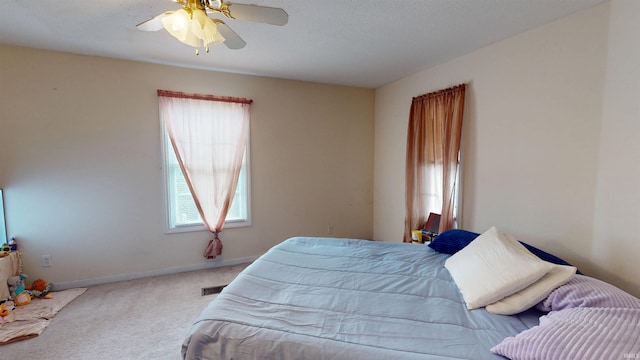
(212, 290)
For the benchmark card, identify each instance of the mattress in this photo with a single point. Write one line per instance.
(331, 298)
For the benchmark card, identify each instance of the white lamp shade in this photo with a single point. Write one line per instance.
(178, 24)
(205, 29)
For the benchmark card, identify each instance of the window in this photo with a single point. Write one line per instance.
(181, 212)
(433, 158)
(431, 192)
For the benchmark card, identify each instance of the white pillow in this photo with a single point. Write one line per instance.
(534, 293)
(492, 267)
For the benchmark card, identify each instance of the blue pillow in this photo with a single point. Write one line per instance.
(452, 241)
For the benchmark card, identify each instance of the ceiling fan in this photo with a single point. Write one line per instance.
(192, 25)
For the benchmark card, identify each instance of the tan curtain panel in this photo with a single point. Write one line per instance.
(433, 147)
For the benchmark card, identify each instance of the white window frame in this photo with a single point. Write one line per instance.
(437, 195)
(244, 186)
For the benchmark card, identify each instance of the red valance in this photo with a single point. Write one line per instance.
(180, 94)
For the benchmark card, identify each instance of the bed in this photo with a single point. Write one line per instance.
(333, 298)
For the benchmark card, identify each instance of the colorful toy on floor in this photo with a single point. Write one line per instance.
(5, 250)
(6, 307)
(20, 295)
(40, 288)
(16, 284)
(22, 299)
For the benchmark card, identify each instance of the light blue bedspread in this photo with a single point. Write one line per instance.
(326, 298)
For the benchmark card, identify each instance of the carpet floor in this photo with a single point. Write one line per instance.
(137, 319)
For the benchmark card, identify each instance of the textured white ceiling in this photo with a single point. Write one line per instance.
(365, 43)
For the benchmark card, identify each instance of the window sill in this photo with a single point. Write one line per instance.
(201, 227)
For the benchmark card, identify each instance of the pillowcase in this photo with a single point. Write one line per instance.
(534, 293)
(585, 291)
(452, 241)
(579, 333)
(493, 266)
(545, 255)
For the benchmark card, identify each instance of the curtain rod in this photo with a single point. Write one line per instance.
(183, 95)
(439, 92)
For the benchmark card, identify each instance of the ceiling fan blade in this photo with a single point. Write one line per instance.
(153, 24)
(231, 39)
(261, 14)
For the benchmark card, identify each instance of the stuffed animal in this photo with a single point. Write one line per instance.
(40, 288)
(22, 299)
(16, 284)
(6, 307)
(5, 250)
(16, 288)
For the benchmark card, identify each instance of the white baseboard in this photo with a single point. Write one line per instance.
(168, 271)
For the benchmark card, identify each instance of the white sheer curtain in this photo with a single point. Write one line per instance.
(209, 136)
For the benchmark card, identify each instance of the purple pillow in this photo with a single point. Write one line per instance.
(579, 333)
(587, 292)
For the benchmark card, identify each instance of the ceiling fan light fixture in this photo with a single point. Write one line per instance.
(178, 24)
(192, 27)
(205, 29)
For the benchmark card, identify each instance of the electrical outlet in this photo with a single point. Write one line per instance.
(45, 261)
(330, 229)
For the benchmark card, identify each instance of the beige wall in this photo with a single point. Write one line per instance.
(550, 140)
(80, 161)
(615, 250)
